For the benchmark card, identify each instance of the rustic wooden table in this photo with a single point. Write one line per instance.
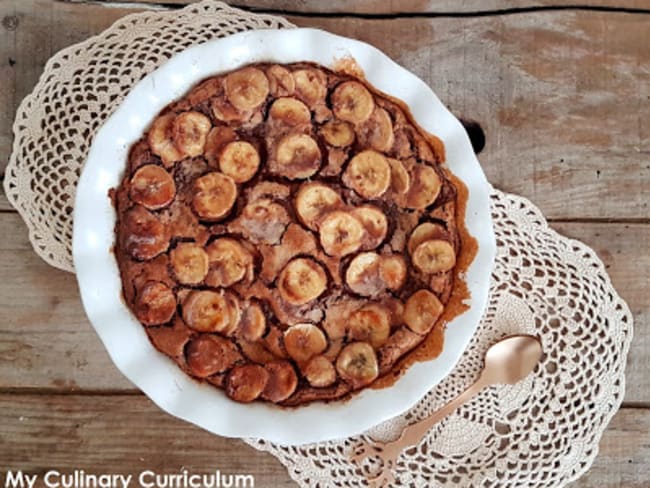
(564, 97)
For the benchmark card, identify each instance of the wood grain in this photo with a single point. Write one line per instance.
(47, 342)
(128, 434)
(394, 7)
(563, 96)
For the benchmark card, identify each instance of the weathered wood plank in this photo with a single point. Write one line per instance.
(72, 431)
(401, 6)
(46, 341)
(563, 96)
(119, 435)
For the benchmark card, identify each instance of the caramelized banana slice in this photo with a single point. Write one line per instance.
(208, 311)
(217, 139)
(392, 271)
(357, 364)
(425, 188)
(215, 194)
(253, 323)
(298, 156)
(223, 110)
(304, 341)
(337, 133)
(425, 232)
(421, 311)
(311, 85)
(229, 262)
(290, 111)
(189, 263)
(161, 142)
(377, 131)
(368, 174)
(189, 132)
(282, 381)
(362, 275)
(152, 187)
(375, 224)
(370, 324)
(281, 82)
(239, 160)
(320, 372)
(341, 233)
(155, 303)
(352, 102)
(434, 256)
(210, 354)
(301, 281)
(246, 88)
(145, 236)
(246, 382)
(400, 181)
(313, 201)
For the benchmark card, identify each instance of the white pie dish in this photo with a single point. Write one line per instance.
(98, 275)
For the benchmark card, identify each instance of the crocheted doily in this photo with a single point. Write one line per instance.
(543, 431)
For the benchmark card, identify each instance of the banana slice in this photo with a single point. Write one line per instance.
(223, 110)
(262, 221)
(152, 187)
(210, 354)
(304, 341)
(161, 142)
(239, 160)
(282, 381)
(337, 133)
(352, 102)
(377, 132)
(290, 111)
(155, 303)
(400, 181)
(256, 352)
(297, 156)
(209, 311)
(425, 188)
(375, 224)
(392, 271)
(425, 232)
(341, 233)
(215, 194)
(301, 281)
(281, 82)
(357, 364)
(246, 382)
(229, 262)
(313, 201)
(217, 139)
(189, 263)
(189, 132)
(311, 85)
(370, 324)
(145, 236)
(362, 275)
(320, 372)
(368, 174)
(421, 311)
(252, 324)
(434, 256)
(246, 88)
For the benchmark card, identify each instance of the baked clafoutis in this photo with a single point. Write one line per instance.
(287, 233)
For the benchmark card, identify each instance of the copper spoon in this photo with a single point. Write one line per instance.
(506, 362)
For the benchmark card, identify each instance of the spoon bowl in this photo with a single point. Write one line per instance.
(511, 359)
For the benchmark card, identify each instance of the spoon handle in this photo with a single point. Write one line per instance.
(414, 433)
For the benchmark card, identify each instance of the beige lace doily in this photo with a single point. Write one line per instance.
(542, 432)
